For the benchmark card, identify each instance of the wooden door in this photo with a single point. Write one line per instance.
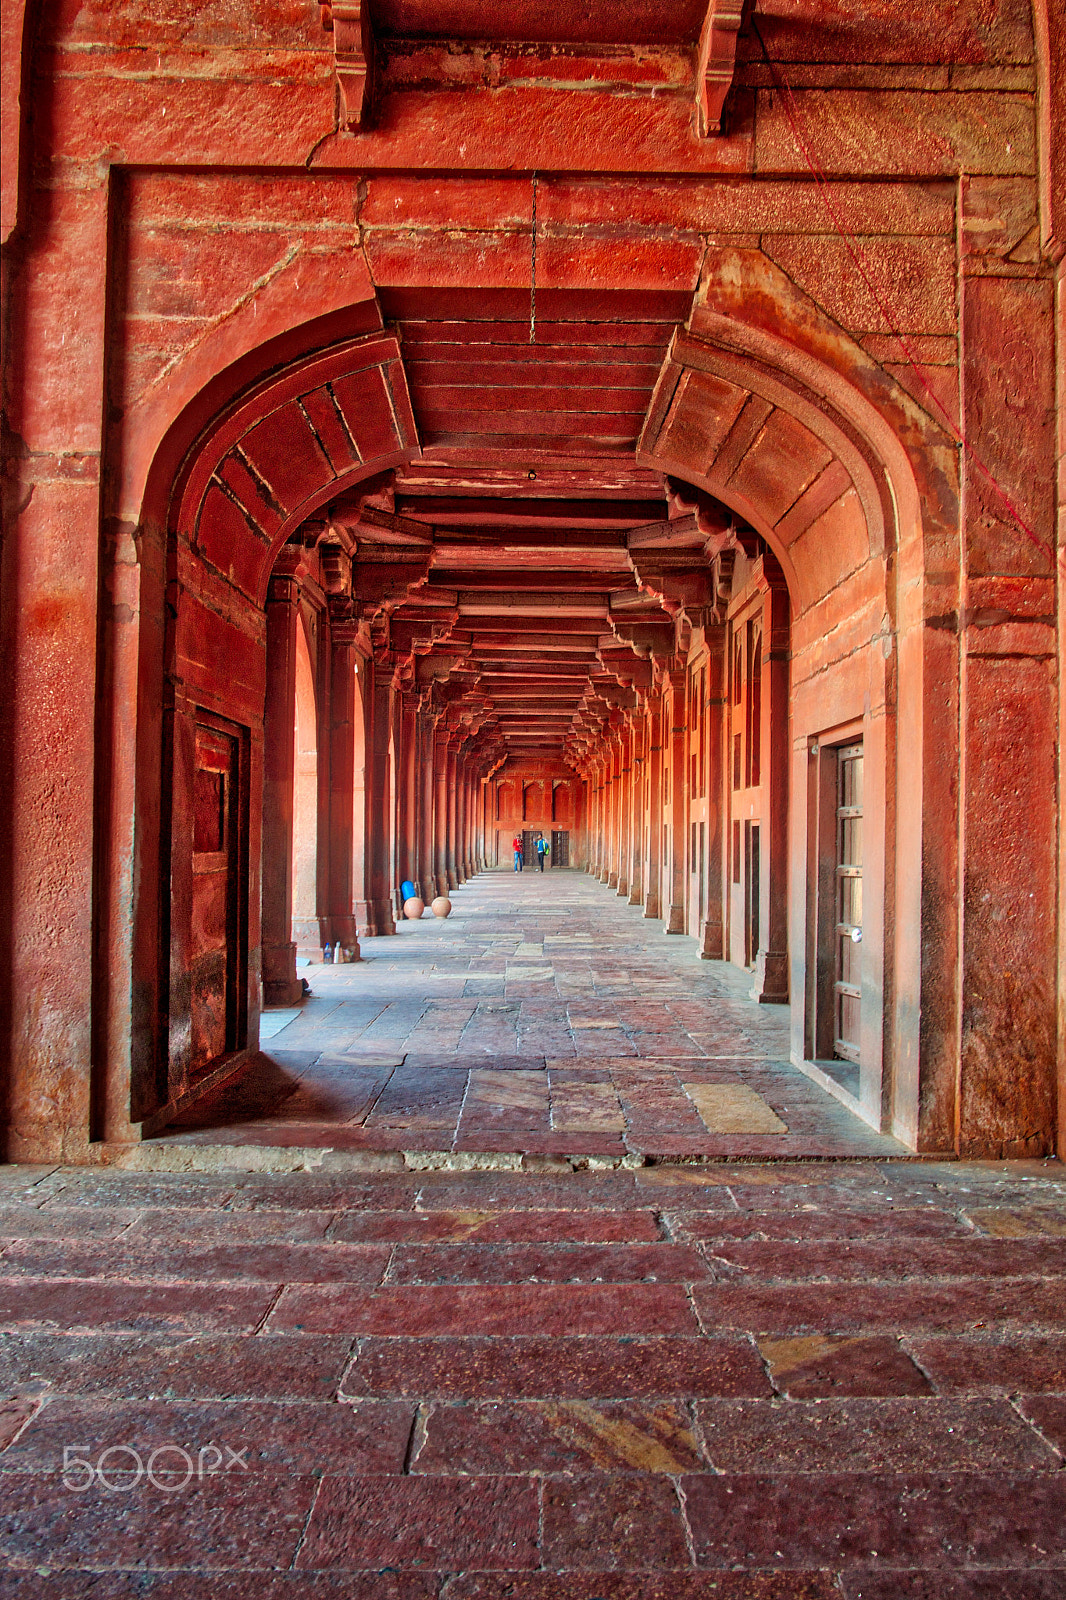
(847, 986)
(215, 954)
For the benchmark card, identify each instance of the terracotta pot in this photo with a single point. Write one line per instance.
(414, 908)
(442, 906)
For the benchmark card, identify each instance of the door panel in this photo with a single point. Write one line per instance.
(847, 986)
(214, 945)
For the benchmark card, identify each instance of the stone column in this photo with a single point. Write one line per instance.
(440, 813)
(712, 933)
(338, 924)
(451, 756)
(654, 847)
(426, 862)
(614, 769)
(281, 986)
(771, 963)
(678, 730)
(1011, 809)
(462, 848)
(407, 794)
(637, 818)
(625, 804)
(377, 705)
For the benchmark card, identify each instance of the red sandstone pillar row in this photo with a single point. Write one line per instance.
(771, 963)
(378, 694)
(679, 787)
(281, 987)
(712, 933)
(625, 798)
(654, 854)
(338, 925)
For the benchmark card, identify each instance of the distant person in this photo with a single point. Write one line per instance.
(542, 850)
(516, 846)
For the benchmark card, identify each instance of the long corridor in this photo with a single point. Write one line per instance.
(544, 1019)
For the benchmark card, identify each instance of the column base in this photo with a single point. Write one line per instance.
(635, 896)
(712, 941)
(281, 987)
(771, 978)
(651, 906)
(623, 887)
(339, 930)
(675, 922)
(612, 880)
(377, 917)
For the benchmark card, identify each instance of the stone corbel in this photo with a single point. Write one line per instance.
(677, 589)
(344, 623)
(770, 580)
(353, 55)
(716, 62)
(335, 566)
(384, 585)
(767, 573)
(284, 589)
(388, 528)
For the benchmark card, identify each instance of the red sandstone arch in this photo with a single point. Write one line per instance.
(790, 425)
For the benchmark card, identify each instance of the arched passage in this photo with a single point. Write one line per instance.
(778, 475)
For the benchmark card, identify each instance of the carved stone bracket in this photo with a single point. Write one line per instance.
(353, 52)
(716, 61)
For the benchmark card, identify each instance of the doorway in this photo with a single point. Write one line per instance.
(217, 938)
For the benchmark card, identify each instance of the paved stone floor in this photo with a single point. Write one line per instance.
(545, 1017)
(610, 1375)
(725, 1382)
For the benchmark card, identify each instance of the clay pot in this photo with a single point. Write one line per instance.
(442, 906)
(414, 907)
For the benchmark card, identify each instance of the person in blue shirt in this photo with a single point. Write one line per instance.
(542, 850)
